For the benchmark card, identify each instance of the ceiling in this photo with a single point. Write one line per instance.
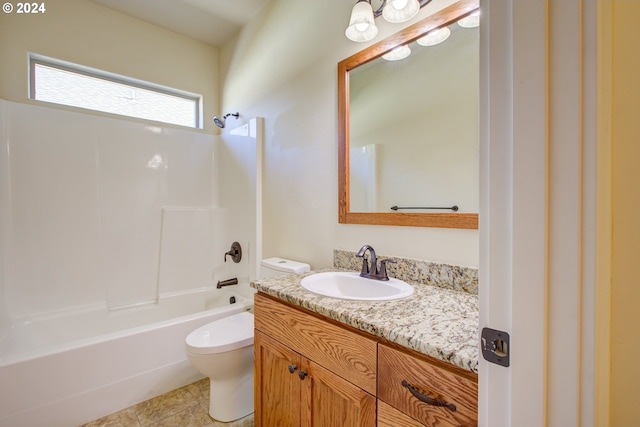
(210, 21)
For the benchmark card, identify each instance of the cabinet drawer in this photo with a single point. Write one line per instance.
(348, 354)
(394, 367)
(388, 416)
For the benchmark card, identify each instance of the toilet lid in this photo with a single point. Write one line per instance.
(226, 334)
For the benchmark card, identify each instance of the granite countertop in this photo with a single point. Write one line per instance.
(438, 322)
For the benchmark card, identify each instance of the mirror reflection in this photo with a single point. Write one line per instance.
(414, 128)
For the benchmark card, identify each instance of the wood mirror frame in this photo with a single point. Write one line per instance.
(443, 220)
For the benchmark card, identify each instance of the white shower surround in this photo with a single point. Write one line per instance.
(99, 214)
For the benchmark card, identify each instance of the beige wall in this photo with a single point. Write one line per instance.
(82, 32)
(283, 67)
(625, 289)
(280, 68)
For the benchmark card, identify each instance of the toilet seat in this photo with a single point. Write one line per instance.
(222, 335)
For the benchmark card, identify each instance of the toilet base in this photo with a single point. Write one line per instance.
(223, 351)
(230, 401)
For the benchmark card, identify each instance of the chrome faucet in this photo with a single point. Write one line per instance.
(372, 272)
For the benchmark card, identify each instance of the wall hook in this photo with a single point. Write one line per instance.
(235, 252)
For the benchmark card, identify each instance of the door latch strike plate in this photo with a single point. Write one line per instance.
(495, 346)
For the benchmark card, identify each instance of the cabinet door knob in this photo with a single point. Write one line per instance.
(426, 399)
(292, 368)
(302, 374)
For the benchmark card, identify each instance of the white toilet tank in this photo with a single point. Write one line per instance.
(272, 267)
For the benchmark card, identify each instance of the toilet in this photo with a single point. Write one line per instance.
(223, 351)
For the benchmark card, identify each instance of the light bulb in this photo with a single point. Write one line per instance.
(399, 4)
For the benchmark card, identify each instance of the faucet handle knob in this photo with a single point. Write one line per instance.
(235, 252)
(383, 268)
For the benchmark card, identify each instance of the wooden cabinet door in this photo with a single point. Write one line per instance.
(276, 389)
(329, 400)
(350, 355)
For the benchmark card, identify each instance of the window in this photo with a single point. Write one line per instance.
(77, 86)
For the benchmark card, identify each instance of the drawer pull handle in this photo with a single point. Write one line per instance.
(292, 368)
(302, 374)
(426, 399)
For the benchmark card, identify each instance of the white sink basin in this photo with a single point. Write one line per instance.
(347, 285)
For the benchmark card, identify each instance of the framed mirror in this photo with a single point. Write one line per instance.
(408, 129)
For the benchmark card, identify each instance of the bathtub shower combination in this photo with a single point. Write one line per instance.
(58, 366)
(113, 235)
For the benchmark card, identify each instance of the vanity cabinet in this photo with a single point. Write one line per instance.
(310, 372)
(431, 395)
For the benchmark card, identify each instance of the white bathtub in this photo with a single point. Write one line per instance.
(65, 369)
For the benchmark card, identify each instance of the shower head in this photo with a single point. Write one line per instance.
(220, 121)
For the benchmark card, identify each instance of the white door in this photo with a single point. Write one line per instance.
(537, 177)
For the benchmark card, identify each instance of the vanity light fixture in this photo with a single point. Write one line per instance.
(470, 21)
(434, 37)
(362, 26)
(397, 11)
(398, 53)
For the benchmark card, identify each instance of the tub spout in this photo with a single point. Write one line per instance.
(227, 282)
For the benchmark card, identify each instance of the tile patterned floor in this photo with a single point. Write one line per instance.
(187, 406)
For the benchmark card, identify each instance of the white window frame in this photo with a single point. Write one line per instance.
(36, 59)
